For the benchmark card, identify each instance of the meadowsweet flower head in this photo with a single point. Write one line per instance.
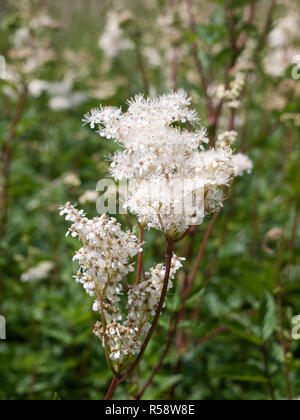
(106, 253)
(125, 338)
(160, 154)
(104, 262)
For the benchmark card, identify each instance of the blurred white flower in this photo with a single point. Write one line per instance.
(62, 96)
(72, 179)
(64, 103)
(283, 43)
(89, 196)
(234, 91)
(228, 138)
(112, 41)
(241, 164)
(40, 272)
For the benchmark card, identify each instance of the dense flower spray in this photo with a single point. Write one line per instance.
(160, 155)
(174, 181)
(105, 261)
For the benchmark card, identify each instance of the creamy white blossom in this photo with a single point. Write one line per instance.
(90, 196)
(283, 43)
(37, 273)
(104, 262)
(228, 138)
(126, 338)
(157, 151)
(232, 94)
(241, 164)
(112, 41)
(72, 179)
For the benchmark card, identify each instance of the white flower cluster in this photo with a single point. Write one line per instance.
(104, 263)
(283, 42)
(72, 179)
(89, 196)
(143, 300)
(30, 43)
(241, 164)
(157, 151)
(228, 138)
(40, 272)
(112, 41)
(62, 96)
(233, 93)
(104, 258)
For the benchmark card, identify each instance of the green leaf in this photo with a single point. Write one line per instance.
(246, 336)
(267, 316)
(193, 299)
(245, 378)
(242, 373)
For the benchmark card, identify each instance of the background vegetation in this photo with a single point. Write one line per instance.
(235, 340)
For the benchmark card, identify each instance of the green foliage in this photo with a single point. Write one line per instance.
(247, 289)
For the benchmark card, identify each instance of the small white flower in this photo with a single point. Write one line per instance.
(241, 164)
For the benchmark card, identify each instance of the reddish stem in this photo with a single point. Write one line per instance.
(118, 381)
(180, 315)
(111, 389)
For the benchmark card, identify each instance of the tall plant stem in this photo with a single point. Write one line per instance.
(108, 361)
(283, 342)
(117, 381)
(195, 51)
(284, 347)
(266, 29)
(141, 63)
(294, 231)
(173, 328)
(267, 372)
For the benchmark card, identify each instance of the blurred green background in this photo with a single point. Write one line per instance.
(65, 57)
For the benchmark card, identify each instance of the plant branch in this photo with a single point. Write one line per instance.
(117, 381)
(265, 31)
(195, 51)
(141, 63)
(173, 328)
(267, 373)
